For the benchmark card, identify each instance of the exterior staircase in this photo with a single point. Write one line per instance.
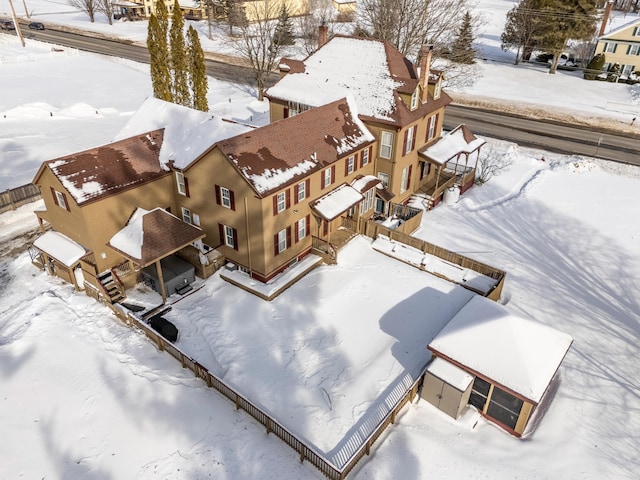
(112, 287)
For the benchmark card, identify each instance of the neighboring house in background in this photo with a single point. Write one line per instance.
(403, 106)
(622, 46)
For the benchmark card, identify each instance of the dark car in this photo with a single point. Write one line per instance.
(7, 25)
(36, 26)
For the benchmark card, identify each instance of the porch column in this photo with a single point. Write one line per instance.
(163, 292)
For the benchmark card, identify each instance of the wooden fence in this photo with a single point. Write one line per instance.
(304, 451)
(16, 197)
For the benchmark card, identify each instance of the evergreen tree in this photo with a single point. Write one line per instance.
(522, 29)
(283, 34)
(159, 53)
(178, 62)
(197, 74)
(462, 49)
(595, 67)
(235, 14)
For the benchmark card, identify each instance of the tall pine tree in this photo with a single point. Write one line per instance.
(178, 63)
(283, 34)
(159, 53)
(462, 49)
(197, 74)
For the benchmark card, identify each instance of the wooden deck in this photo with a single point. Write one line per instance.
(341, 237)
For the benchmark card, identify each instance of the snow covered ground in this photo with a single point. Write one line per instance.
(85, 397)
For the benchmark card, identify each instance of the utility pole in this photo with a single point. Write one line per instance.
(15, 22)
(26, 11)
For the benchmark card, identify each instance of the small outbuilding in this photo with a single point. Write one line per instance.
(501, 364)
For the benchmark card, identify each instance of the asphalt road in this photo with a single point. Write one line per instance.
(555, 136)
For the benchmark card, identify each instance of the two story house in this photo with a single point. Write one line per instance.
(622, 46)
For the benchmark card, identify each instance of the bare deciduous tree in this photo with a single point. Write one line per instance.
(106, 7)
(321, 12)
(90, 7)
(490, 163)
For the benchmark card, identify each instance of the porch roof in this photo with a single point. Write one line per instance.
(336, 202)
(152, 235)
(515, 352)
(60, 247)
(457, 141)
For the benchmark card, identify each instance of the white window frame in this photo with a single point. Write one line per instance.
(327, 177)
(302, 228)
(405, 179)
(282, 240)
(367, 203)
(351, 164)
(386, 144)
(182, 186)
(609, 47)
(196, 219)
(228, 236)
(62, 203)
(626, 70)
(634, 50)
(414, 99)
(384, 178)
(225, 197)
(636, 32)
(186, 215)
(281, 202)
(407, 147)
(365, 157)
(437, 90)
(432, 127)
(302, 191)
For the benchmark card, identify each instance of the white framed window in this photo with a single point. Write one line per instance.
(351, 164)
(302, 228)
(327, 177)
(367, 203)
(626, 70)
(404, 183)
(181, 184)
(186, 215)
(365, 157)
(437, 90)
(196, 219)
(432, 127)
(610, 47)
(414, 99)
(409, 140)
(225, 197)
(302, 191)
(633, 50)
(384, 178)
(62, 200)
(386, 142)
(281, 202)
(229, 238)
(282, 240)
(636, 31)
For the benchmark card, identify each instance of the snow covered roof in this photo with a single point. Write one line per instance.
(617, 25)
(337, 201)
(152, 235)
(515, 352)
(282, 152)
(448, 372)
(108, 169)
(370, 70)
(60, 247)
(364, 183)
(457, 141)
(188, 133)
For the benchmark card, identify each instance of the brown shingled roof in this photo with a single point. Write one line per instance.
(275, 150)
(111, 168)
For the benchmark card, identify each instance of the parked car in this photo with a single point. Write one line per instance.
(36, 26)
(7, 25)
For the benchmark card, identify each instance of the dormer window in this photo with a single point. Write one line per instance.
(437, 90)
(414, 99)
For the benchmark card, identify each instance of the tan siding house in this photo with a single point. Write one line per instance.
(622, 46)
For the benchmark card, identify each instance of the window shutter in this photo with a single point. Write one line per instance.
(232, 199)
(296, 226)
(186, 186)
(296, 191)
(413, 137)
(322, 184)
(404, 143)
(275, 245)
(285, 113)
(635, 31)
(308, 225)
(235, 239)
(55, 197)
(288, 198)
(288, 236)
(66, 201)
(218, 196)
(333, 173)
(628, 49)
(409, 177)
(275, 205)
(221, 231)
(615, 47)
(346, 166)
(307, 188)
(426, 135)
(362, 159)
(435, 127)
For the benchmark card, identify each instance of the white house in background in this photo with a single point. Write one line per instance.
(500, 363)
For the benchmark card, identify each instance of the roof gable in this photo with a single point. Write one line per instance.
(621, 31)
(279, 153)
(108, 169)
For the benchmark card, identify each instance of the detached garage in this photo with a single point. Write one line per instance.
(510, 362)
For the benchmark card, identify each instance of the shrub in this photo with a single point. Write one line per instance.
(594, 67)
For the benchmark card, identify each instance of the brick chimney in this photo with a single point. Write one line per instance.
(425, 66)
(323, 35)
(605, 18)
